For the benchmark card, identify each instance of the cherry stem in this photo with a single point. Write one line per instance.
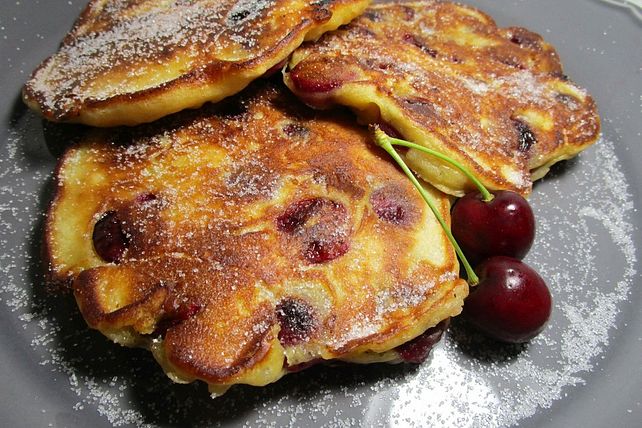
(482, 189)
(383, 141)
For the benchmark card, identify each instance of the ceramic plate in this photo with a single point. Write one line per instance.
(584, 370)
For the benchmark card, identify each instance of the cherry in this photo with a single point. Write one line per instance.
(312, 80)
(420, 44)
(526, 138)
(511, 303)
(504, 226)
(391, 205)
(417, 350)
(296, 130)
(298, 213)
(320, 225)
(297, 321)
(110, 240)
(321, 251)
(146, 197)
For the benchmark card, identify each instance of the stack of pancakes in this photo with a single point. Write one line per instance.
(240, 234)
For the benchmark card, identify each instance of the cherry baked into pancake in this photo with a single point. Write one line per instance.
(443, 75)
(248, 239)
(127, 62)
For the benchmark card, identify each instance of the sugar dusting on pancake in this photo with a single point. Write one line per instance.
(445, 76)
(128, 62)
(123, 387)
(231, 243)
(118, 388)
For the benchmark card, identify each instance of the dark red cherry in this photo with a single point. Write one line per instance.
(297, 321)
(526, 137)
(110, 241)
(181, 311)
(321, 251)
(412, 39)
(417, 350)
(320, 225)
(504, 226)
(387, 209)
(296, 130)
(319, 77)
(297, 214)
(511, 303)
(392, 205)
(310, 84)
(146, 197)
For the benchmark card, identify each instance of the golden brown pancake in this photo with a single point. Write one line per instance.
(445, 76)
(249, 239)
(127, 62)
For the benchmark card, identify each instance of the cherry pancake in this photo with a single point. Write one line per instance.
(128, 62)
(249, 239)
(443, 75)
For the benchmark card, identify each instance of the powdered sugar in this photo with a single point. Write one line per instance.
(502, 390)
(137, 38)
(464, 85)
(491, 388)
(125, 387)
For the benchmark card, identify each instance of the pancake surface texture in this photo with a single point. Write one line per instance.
(443, 75)
(128, 62)
(248, 239)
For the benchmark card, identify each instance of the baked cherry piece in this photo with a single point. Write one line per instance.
(391, 204)
(511, 303)
(505, 226)
(321, 251)
(110, 240)
(311, 80)
(320, 225)
(417, 350)
(297, 321)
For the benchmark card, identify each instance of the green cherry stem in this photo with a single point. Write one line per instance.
(482, 189)
(383, 141)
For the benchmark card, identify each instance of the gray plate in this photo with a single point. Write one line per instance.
(584, 370)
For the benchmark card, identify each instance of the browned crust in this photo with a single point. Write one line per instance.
(249, 355)
(215, 74)
(229, 273)
(436, 86)
(140, 314)
(444, 303)
(54, 276)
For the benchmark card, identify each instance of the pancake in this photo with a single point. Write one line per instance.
(127, 62)
(249, 239)
(443, 75)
